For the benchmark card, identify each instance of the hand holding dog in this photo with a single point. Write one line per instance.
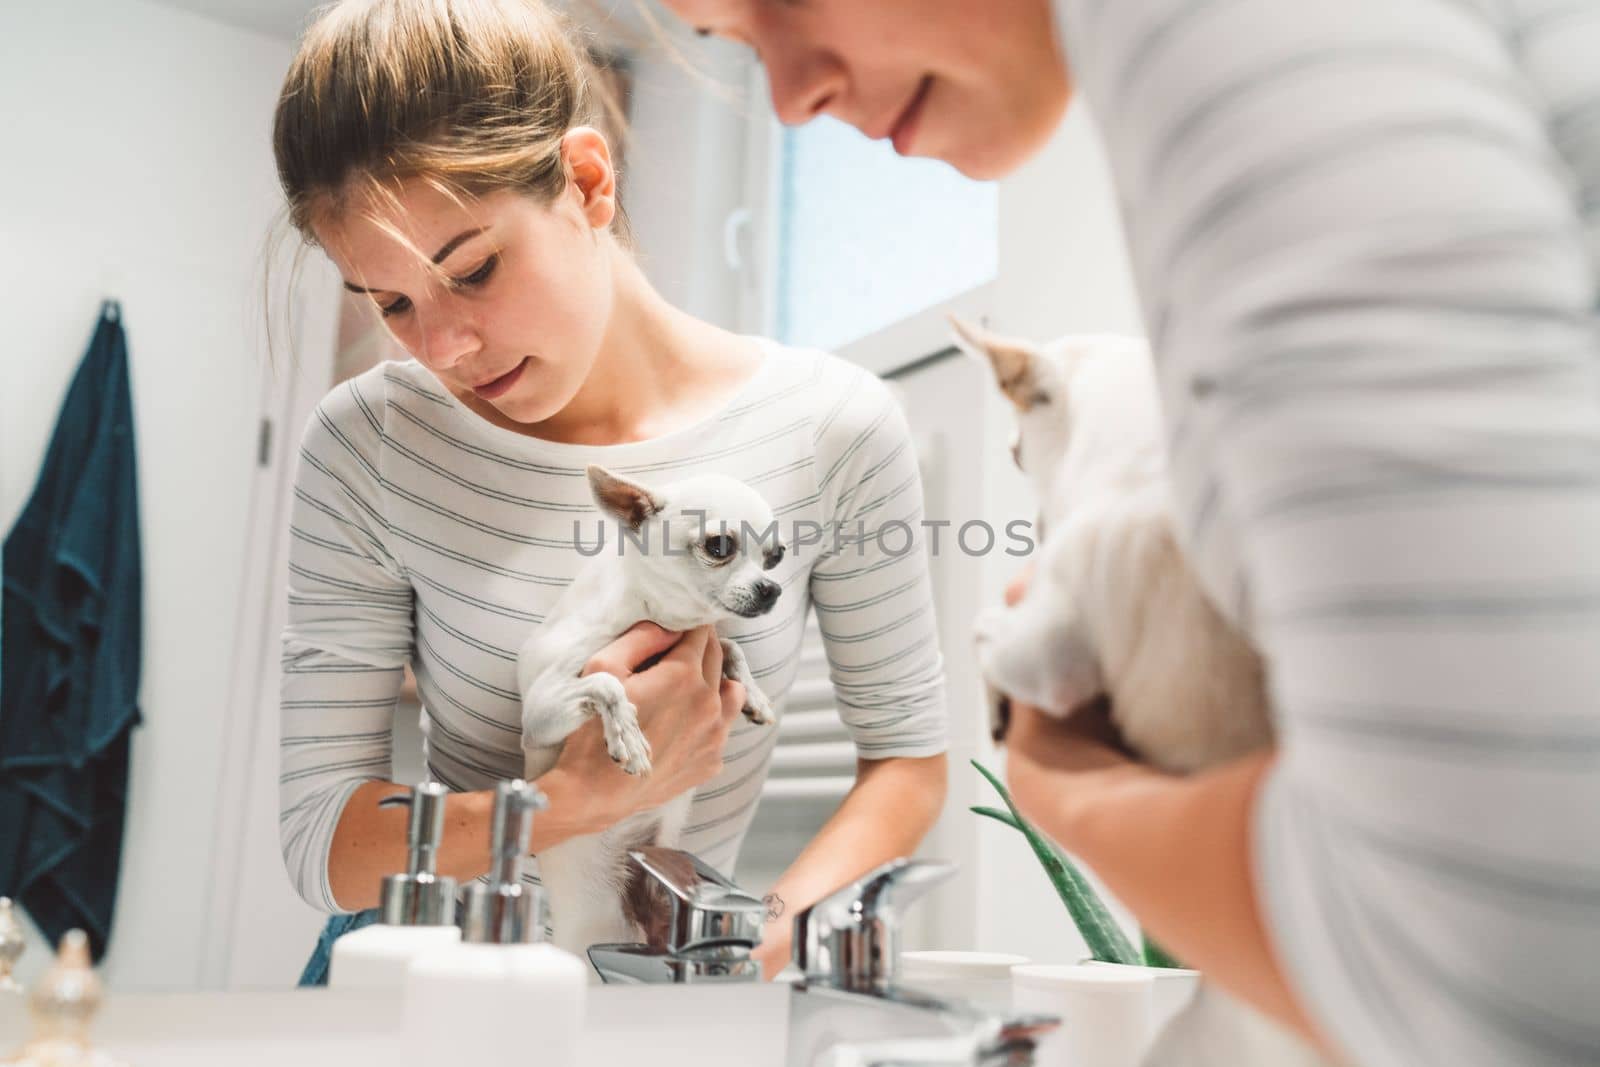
(686, 709)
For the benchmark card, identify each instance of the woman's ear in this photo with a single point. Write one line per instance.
(587, 159)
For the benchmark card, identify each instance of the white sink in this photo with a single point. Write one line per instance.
(680, 1026)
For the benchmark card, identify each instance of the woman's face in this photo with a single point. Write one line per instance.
(515, 315)
(979, 84)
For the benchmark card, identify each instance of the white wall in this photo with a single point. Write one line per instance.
(137, 164)
(685, 168)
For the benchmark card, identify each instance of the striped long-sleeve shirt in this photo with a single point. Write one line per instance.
(1365, 234)
(424, 534)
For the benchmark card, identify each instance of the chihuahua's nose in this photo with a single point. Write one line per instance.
(766, 592)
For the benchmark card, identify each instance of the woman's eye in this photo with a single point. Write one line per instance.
(719, 547)
(470, 281)
(479, 276)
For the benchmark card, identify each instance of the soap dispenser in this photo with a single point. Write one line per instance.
(417, 912)
(64, 1003)
(502, 991)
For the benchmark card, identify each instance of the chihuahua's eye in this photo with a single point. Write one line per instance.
(720, 546)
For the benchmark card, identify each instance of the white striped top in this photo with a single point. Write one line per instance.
(1365, 234)
(422, 533)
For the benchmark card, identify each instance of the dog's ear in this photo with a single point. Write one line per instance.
(1015, 363)
(628, 502)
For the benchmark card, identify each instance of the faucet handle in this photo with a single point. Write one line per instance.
(684, 904)
(851, 937)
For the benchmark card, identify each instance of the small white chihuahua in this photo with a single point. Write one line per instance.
(694, 553)
(1112, 607)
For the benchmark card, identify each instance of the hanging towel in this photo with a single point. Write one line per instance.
(70, 656)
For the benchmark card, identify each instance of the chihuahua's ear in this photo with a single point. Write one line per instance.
(628, 502)
(1015, 363)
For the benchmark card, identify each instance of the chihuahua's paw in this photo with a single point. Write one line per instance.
(627, 744)
(757, 708)
(989, 623)
(988, 632)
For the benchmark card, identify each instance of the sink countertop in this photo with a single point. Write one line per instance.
(727, 1026)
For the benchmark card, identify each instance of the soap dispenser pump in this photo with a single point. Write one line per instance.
(417, 910)
(482, 1001)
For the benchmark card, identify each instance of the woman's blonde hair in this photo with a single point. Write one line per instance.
(471, 96)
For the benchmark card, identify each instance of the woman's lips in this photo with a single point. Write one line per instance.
(501, 385)
(905, 130)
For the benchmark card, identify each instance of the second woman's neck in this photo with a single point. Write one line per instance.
(658, 368)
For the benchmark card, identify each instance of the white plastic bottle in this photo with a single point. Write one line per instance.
(418, 909)
(501, 994)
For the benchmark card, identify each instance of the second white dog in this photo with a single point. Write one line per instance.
(696, 554)
(1112, 607)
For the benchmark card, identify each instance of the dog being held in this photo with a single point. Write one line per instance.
(1113, 610)
(696, 554)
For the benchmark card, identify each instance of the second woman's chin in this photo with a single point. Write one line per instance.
(534, 400)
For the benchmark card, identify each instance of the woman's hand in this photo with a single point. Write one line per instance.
(1057, 768)
(686, 709)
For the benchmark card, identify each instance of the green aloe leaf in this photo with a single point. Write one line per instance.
(998, 816)
(1093, 919)
(1156, 956)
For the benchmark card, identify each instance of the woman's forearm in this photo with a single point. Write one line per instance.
(888, 812)
(370, 842)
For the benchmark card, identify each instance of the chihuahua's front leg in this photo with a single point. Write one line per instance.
(1036, 652)
(556, 705)
(757, 708)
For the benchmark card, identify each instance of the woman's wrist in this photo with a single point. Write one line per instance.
(1068, 789)
(573, 811)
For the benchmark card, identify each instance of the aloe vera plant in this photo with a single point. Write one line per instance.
(1156, 956)
(1100, 931)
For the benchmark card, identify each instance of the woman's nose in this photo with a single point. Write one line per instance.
(446, 341)
(804, 85)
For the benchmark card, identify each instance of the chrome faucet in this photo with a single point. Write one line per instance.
(849, 1005)
(702, 928)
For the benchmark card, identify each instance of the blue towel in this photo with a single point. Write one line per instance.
(70, 656)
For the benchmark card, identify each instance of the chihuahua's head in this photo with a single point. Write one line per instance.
(700, 547)
(1092, 388)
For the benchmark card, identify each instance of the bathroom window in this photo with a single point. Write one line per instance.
(867, 239)
(852, 248)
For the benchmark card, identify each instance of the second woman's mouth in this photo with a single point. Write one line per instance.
(499, 386)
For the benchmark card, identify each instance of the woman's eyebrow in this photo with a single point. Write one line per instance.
(438, 257)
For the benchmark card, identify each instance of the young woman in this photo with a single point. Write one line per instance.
(1366, 236)
(442, 155)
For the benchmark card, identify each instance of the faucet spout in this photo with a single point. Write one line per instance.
(700, 928)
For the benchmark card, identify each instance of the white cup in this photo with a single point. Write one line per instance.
(984, 978)
(1175, 987)
(1105, 1012)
